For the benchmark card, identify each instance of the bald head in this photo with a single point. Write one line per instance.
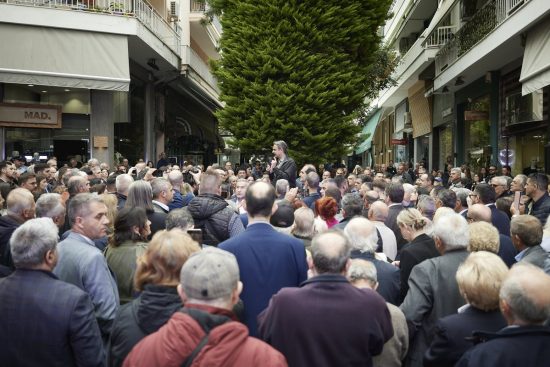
(362, 235)
(525, 295)
(330, 253)
(378, 211)
(479, 213)
(260, 198)
(20, 203)
(175, 178)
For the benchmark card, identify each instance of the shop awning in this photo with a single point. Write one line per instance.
(63, 58)
(369, 128)
(535, 70)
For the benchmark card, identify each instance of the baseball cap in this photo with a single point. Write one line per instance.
(284, 216)
(209, 274)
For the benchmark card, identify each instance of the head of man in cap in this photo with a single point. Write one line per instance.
(210, 277)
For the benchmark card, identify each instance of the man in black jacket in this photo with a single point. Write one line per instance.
(212, 213)
(21, 207)
(282, 166)
(535, 188)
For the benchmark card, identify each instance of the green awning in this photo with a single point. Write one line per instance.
(368, 129)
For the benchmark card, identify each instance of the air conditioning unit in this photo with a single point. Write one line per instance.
(174, 11)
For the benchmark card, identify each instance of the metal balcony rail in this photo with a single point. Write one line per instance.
(139, 9)
(483, 22)
(200, 67)
(440, 36)
(198, 6)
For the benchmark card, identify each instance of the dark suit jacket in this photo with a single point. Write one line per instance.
(391, 223)
(450, 341)
(388, 277)
(287, 171)
(158, 221)
(525, 346)
(507, 251)
(268, 261)
(500, 220)
(47, 322)
(327, 322)
(416, 251)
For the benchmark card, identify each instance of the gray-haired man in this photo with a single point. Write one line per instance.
(44, 321)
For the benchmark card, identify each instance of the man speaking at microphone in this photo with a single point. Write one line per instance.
(282, 166)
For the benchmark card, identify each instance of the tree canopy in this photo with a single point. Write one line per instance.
(299, 71)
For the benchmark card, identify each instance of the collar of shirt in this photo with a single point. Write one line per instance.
(84, 238)
(163, 206)
(258, 222)
(520, 256)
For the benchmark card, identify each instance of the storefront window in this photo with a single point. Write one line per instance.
(129, 135)
(445, 145)
(477, 134)
(71, 140)
(423, 150)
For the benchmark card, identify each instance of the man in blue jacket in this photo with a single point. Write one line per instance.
(268, 260)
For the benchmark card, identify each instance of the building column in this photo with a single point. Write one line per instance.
(102, 126)
(149, 123)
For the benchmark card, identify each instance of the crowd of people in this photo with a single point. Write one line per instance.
(272, 265)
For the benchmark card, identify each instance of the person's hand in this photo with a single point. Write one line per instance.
(196, 176)
(291, 194)
(396, 263)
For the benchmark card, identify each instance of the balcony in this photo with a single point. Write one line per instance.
(169, 34)
(482, 23)
(440, 36)
(201, 68)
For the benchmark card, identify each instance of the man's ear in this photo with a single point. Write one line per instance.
(274, 208)
(50, 258)
(182, 294)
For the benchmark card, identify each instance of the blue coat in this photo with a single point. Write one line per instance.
(268, 261)
(525, 346)
(388, 277)
(500, 220)
(47, 322)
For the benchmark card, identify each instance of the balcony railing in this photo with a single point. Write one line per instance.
(440, 36)
(483, 22)
(192, 59)
(198, 6)
(139, 9)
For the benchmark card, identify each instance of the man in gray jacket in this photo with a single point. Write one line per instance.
(81, 263)
(433, 290)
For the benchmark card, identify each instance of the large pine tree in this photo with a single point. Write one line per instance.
(297, 70)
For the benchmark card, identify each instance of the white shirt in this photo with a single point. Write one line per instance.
(389, 242)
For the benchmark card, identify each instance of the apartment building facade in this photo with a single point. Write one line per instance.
(105, 79)
(472, 85)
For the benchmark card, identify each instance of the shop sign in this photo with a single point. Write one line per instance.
(399, 141)
(30, 115)
(476, 115)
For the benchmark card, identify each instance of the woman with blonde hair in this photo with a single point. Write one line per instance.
(157, 277)
(479, 280)
(413, 226)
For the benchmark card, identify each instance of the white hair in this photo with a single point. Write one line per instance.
(452, 230)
